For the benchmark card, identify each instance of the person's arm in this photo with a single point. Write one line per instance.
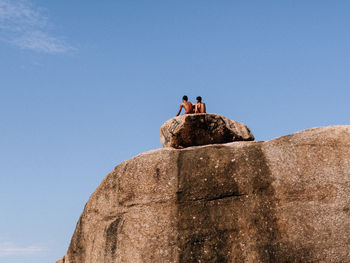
(196, 108)
(181, 106)
(204, 109)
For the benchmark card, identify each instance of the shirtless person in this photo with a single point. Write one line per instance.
(186, 105)
(199, 107)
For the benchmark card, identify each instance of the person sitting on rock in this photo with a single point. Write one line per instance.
(199, 107)
(186, 105)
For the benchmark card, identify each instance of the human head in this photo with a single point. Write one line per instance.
(199, 99)
(185, 98)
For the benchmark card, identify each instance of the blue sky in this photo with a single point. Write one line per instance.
(87, 84)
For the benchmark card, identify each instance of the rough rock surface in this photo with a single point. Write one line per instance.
(201, 129)
(285, 200)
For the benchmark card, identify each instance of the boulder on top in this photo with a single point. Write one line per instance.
(201, 129)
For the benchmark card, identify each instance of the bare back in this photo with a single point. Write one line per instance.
(188, 107)
(200, 108)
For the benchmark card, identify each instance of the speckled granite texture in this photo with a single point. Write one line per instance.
(284, 200)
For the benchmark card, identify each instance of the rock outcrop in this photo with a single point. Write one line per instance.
(201, 129)
(284, 200)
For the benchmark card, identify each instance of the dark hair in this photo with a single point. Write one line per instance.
(185, 98)
(199, 98)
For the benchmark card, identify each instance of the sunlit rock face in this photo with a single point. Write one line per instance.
(201, 129)
(284, 200)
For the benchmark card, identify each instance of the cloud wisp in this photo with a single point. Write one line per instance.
(9, 249)
(27, 27)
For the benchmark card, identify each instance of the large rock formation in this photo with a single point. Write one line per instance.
(201, 129)
(285, 200)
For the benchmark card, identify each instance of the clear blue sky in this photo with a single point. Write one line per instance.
(87, 84)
